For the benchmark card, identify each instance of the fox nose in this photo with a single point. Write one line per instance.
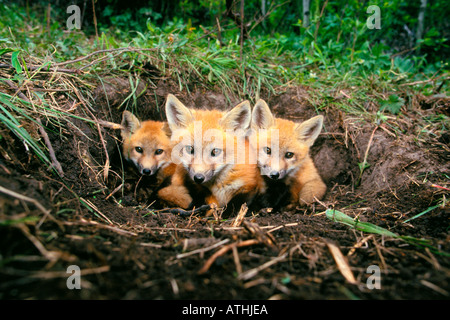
(274, 175)
(146, 171)
(199, 178)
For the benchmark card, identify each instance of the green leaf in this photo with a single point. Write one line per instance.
(6, 50)
(393, 104)
(15, 61)
(363, 166)
(341, 217)
(423, 212)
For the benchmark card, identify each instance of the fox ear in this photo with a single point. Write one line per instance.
(309, 130)
(238, 118)
(129, 124)
(178, 116)
(262, 117)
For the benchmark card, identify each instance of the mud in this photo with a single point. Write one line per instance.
(126, 249)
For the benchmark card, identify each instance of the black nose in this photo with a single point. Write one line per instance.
(199, 178)
(274, 175)
(147, 171)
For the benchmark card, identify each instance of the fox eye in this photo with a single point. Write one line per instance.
(289, 155)
(215, 152)
(267, 150)
(189, 149)
(159, 151)
(139, 149)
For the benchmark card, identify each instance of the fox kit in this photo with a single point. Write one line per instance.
(212, 165)
(283, 157)
(147, 145)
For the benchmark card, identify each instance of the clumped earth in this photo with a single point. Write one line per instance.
(100, 218)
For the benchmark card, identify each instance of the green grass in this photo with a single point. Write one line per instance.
(336, 74)
(340, 217)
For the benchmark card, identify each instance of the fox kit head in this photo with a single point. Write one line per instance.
(145, 144)
(205, 140)
(282, 145)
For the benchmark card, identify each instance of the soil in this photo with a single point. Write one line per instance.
(104, 223)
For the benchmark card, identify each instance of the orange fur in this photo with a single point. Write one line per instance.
(147, 145)
(209, 171)
(283, 154)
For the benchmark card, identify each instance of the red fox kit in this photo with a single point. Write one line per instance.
(147, 146)
(212, 165)
(283, 156)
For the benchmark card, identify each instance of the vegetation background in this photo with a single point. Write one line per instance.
(261, 43)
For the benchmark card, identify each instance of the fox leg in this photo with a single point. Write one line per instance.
(176, 195)
(310, 191)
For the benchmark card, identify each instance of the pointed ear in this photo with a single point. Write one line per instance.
(262, 117)
(238, 118)
(309, 130)
(129, 124)
(178, 116)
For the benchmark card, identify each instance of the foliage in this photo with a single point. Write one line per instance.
(197, 40)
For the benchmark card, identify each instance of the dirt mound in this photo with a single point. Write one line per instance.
(97, 216)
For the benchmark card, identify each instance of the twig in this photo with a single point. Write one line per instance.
(341, 262)
(237, 262)
(383, 262)
(114, 191)
(202, 250)
(52, 274)
(99, 60)
(253, 272)
(51, 69)
(185, 213)
(110, 125)
(240, 216)
(18, 90)
(434, 287)
(223, 250)
(49, 255)
(266, 238)
(359, 245)
(132, 49)
(100, 225)
(57, 66)
(19, 196)
(422, 81)
(55, 162)
(93, 207)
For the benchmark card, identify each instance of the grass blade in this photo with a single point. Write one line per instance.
(424, 212)
(341, 217)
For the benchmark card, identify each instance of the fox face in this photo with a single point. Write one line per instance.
(145, 144)
(205, 141)
(203, 163)
(282, 145)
